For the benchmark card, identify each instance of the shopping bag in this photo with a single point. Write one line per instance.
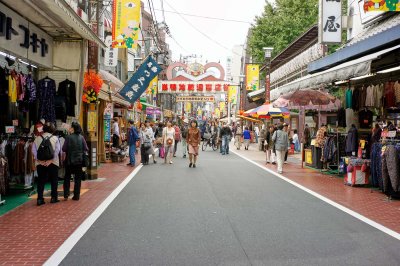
(162, 152)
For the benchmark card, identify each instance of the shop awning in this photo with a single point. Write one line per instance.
(114, 82)
(55, 17)
(150, 105)
(354, 68)
(255, 94)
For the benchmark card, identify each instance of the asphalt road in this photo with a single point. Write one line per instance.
(227, 211)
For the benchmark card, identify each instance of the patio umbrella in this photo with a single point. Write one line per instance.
(267, 111)
(304, 98)
(249, 112)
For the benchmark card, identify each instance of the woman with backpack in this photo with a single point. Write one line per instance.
(46, 149)
(75, 147)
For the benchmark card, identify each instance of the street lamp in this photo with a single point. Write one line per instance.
(241, 89)
(267, 56)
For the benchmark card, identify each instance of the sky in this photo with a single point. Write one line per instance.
(223, 34)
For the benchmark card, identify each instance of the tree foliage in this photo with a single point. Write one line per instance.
(280, 24)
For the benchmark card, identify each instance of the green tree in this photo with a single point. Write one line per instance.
(280, 24)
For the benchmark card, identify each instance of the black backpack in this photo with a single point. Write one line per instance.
(45, 151)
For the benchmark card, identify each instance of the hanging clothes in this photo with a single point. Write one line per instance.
(352, 140)
(356, 99)
(379, 92)
(46, 94)
(390, 99)
(4, 175)
(376, 165)
(67, 89)
(341, 117)
(390, 169)
(370, 100)
(329, 150)
(12, 88)
(349, 99)
(365, 118)
(396, 88)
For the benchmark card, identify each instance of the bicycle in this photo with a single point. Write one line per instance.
(209, 142)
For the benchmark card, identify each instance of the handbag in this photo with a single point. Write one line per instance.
(147, 145)
(162, 152)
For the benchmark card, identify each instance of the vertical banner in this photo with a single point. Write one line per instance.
(330, 22)
(232, 94)
(252, 77)
(152, 88)
(140, 80)
(126, 21)
(110, 53)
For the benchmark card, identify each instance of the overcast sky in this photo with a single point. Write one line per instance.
(225, 33)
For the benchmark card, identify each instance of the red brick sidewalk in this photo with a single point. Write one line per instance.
(371, 204)
(29, 234)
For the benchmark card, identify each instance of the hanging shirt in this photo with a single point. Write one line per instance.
(349, 100)
(390, 100)
(365, 118)
(396, 88)
(12, 89)
(379, 89)
(46, 94)
(369, 100)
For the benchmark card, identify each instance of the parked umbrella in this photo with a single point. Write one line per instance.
(304, 98)
(267, 111)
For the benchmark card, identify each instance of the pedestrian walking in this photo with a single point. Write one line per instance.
(238, 136)
(75, 148)
(184, 132)
(280, 139)
(150, 140)
(169, 142)
(144, 145)
(214, 133)
(270, 145)
(256, 133)
(263, 133)
(177, 137)
(46, 149)
(246, 138)
(193, 140)
(133, 136)
(116, 133)
(287, 130)
(226, 135)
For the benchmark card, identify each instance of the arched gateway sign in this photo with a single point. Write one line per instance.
(194, 78)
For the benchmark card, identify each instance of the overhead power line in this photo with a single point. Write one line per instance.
(205, 17)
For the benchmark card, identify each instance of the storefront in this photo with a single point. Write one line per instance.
(39, 79)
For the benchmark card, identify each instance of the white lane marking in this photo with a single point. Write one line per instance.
(331, 202)
(71, 241)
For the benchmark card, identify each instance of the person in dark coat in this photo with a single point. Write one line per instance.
(74, 146)
(352, 141)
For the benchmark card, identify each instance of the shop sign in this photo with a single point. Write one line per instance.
(110, 54)
(140, 80)
(107, 130)
(126, 23)
(330, 21)
(198, 87)
(10, 129)
(92, 121)
(108, 111)
(202, 99)
(365, 15)
(383, 5)
(23, 39)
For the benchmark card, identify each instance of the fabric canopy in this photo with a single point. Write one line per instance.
(354, 68)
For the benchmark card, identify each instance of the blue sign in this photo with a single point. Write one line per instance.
(140, 80)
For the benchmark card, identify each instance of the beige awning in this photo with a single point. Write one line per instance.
(355, 68)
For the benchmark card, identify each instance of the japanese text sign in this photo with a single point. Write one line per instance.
(140, 80)
(24, 39)
(110, 54)
(330, 21)
(252, 77)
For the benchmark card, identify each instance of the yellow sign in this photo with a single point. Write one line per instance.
(381, 5)
(152, 88)
(232, 94)
(252, 77)
(126, 20)
(222, 105)
(217, 112)
(92, 121)
(188, 107)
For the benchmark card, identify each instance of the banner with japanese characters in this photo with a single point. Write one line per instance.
(330, 21)
(252, 77)
(110, 53)
(381, 5)
(140, 80)
(126, 22)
